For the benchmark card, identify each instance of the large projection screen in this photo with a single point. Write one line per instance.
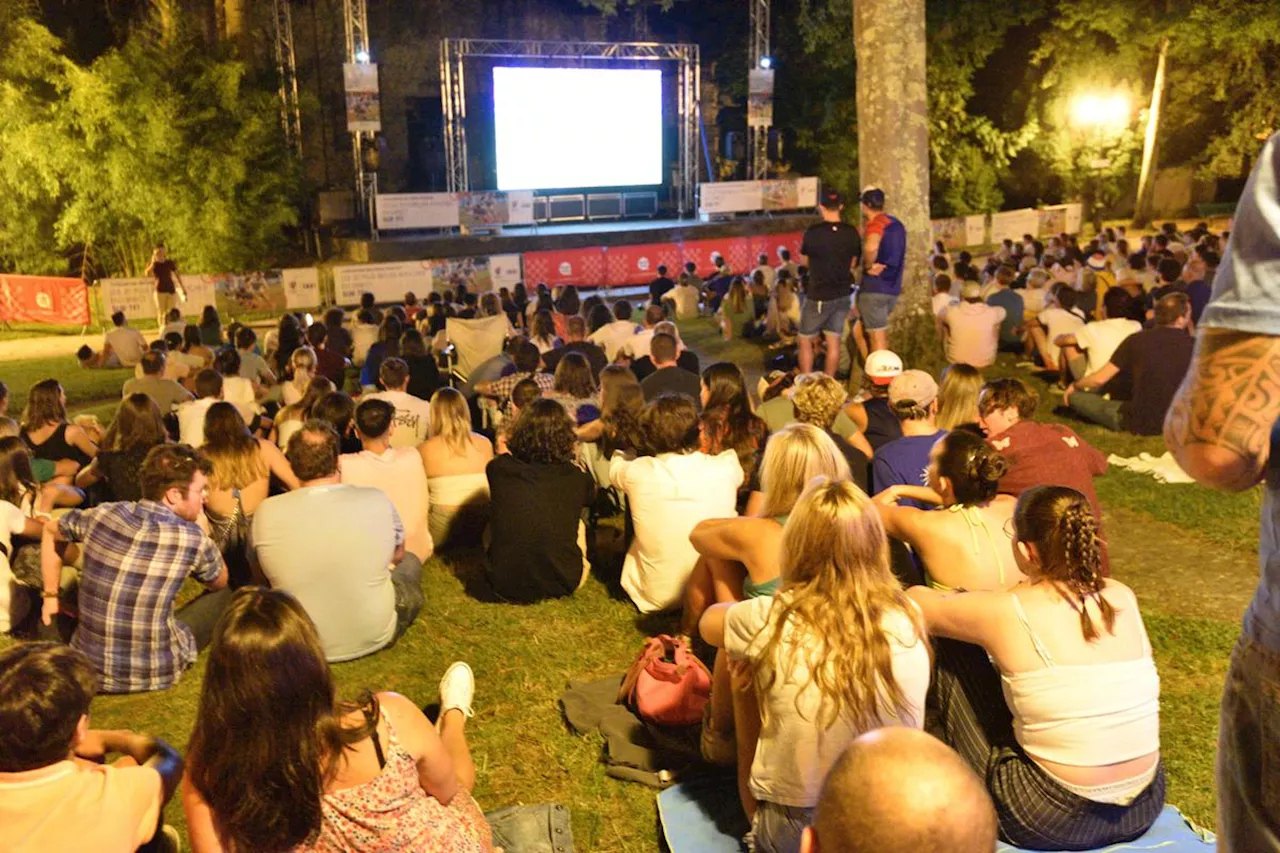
(567, 128)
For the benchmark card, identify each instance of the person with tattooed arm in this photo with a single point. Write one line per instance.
(1222, 430)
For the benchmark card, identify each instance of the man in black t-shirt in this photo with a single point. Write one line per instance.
(164, 272)
(1155, 361)
(660, 285)
(575, 340)
(830, 250)
(669, 376)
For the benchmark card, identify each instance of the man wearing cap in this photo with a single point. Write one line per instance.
(884, 255)
(913, 398)
(872, 416)
(971, 328)
(831, 250)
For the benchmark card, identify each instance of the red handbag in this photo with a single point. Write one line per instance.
(667, 684)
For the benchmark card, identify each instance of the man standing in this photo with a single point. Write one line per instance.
(830, 249)
(164, 272)
(1154, 361)
(1222, 430)
(339, 549)
(136, 557)
(884, 256)
(412, 414)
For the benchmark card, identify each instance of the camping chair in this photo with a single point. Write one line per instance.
(471, 343)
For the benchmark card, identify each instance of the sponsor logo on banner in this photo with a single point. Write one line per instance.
(360, 82)
(43, 299)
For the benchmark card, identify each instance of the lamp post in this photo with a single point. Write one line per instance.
(1100, 118)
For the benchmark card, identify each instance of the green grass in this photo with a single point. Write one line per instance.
(524, 656)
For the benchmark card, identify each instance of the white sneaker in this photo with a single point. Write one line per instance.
(457, 689)
(172, 840)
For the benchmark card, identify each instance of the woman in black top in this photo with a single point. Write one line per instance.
(46, 431)
(424, 373)
(138, 427)
(537, 547)
(210, 327)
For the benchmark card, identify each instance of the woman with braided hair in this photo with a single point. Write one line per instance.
(1071, 753)
(963, 546)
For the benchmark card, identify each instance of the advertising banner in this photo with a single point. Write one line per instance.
(387, 282)
(637, 265)
(975, 230)
(780, 195)
(567, 266)
(735, 250)
(730, 197)
(43, 299)
(136, 296)
(472, 273)
(760, 97)
(301, 288)
(360, 82)
(414, 211)
(950, 231)
(505, 271)
(771, 244)
(1012, 224)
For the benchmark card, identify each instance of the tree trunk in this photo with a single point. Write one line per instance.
(893, 153)
(1151, 143)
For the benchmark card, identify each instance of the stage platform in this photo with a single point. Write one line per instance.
(391, 247)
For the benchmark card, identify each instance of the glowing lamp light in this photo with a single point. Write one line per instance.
(1104, 112)
(362, 56)
(766, 62)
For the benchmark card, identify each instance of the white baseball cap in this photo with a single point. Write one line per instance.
(882, 365)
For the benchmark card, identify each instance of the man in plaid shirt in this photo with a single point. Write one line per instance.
(136, 556)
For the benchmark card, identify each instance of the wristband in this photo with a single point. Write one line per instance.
(46, 594)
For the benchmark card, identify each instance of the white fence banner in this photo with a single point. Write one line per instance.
(387, 282)
(975, 230)
(301, 287)
(730, 197)
(505, 270)
(136, 296)
(1012, 224)
(412, 211)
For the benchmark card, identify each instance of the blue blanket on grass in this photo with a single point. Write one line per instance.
(704, 816)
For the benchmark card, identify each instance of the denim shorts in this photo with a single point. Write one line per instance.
(825, 315)
(875, 309)
(777, 829)
(1249, 751)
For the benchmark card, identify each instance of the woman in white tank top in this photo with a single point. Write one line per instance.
(455, 458)
(1065, 728)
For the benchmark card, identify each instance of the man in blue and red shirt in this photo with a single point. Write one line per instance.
(884, 244)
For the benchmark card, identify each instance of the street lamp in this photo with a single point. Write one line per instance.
(1101, 116)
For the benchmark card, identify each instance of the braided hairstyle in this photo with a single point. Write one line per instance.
(1061, 524)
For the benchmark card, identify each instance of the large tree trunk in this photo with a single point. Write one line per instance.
(1151, 143)
(893, 153)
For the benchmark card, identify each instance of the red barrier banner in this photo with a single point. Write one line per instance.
(633, 265)
(43, 299)
(736, 250)
(567, 266)
(769, 244)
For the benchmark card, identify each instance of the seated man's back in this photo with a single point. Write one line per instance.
(331, 547)
(397, 472)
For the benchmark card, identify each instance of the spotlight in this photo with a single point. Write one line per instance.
(362, 56)
(766, 62)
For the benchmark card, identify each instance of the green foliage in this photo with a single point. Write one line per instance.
(144, 144)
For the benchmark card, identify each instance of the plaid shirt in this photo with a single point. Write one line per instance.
(502, 388)
(136, 556)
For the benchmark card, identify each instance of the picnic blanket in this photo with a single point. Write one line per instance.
(704, 815)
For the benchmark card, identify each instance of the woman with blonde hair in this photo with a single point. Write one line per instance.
(241, 479)
(958, 396)
(290, 418)
(838, 651)
(455, 458)
(319, 774)
(819, 399)
(302, 366)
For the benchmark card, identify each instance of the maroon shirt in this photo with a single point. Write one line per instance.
(162, 272)
(1041, 454)
(331, 365)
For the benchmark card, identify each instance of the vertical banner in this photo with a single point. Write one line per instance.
(505, 271)
(760, 97)
(360, 82)
(975, 230)
(43, 299)
(301, 287)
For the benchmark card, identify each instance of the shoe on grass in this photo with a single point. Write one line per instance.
(457, 689)
(172, 841)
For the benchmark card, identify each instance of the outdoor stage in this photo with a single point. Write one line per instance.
(579, 235)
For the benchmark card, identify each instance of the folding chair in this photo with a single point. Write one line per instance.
(471, 343)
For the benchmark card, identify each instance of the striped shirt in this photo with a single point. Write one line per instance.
(136, 556)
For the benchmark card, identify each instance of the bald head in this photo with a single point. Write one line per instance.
(899, 790)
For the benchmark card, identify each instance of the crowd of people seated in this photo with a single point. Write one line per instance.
(922, 553)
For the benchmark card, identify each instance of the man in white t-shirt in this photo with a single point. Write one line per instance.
(339, 549)
(669, 493)
(769, 273)
(971, 329)
(397, 471)
(191, 414)
(684, 296)
(1091, 346)
(123, 346)
(413, 414)
(637, 346)
(1058, 318)
(612, 336)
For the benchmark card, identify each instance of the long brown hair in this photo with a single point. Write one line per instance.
(265, 794)
(44, 405)
(621, 400)
(231, 448)
(1061, 524)
(138, 425)
(574, 376)
(727, 421)
(16, 479)
(837, 589)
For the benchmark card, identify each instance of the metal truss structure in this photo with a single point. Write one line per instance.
(455, 52)
(287, 73)
(355, 15)
(758, 137)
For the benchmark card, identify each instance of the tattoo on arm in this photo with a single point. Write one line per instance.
(1231, 395)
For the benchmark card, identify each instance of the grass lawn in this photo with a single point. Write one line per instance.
(1190, 553)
